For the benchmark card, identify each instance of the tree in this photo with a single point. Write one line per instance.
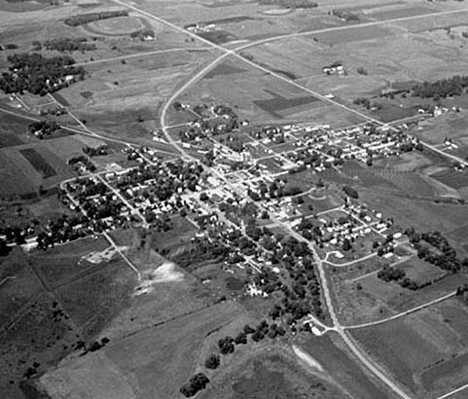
(347, 245)
(4, 248)
(226, 345)
(212, 362)
(351, 192)
(241, 338)
(248, 329)
(196, 383)
(258, 335)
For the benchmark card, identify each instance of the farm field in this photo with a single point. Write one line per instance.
(424, 350)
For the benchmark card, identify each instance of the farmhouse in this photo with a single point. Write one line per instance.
(336, 68)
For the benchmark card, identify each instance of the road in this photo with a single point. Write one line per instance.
(138, 55)
(397, 316)
(88, 132)
(6, 279)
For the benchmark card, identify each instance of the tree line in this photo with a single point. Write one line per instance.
(83, 19)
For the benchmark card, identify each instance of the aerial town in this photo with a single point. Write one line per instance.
(233, 199)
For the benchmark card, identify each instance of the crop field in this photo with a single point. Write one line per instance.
(152, 358)
(38, 162)
(452, 178)
(425, 350)
(17, 175)
(223, 70)
(277, 104)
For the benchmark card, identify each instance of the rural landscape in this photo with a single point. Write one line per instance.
(233, 199)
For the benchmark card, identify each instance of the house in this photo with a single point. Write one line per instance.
(336, 68)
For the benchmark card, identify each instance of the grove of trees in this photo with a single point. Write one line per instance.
(37, 74)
